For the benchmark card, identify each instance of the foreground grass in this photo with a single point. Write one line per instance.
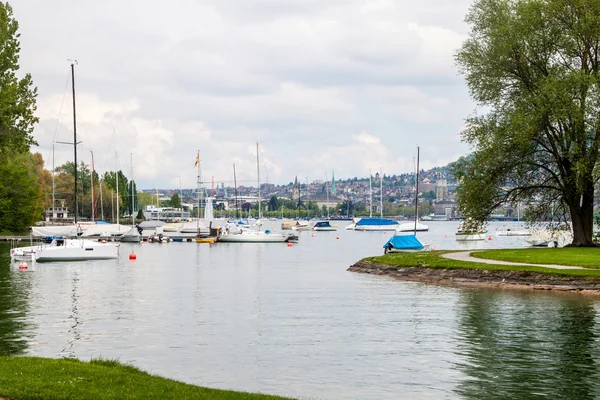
(35, 378)
(433, 259)
(581, 257)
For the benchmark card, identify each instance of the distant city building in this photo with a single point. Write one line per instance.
(441, 190)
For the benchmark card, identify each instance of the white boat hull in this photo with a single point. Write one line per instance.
(426, 247)
(254, 237)
(516, 232)
(67, 250)
(465, 237)
(368, 228)
(410, 227)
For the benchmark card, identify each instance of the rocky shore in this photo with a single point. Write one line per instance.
(477, 277)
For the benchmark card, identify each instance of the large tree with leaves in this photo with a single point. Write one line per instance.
(19, 183)
(17, 95)
(534, 68)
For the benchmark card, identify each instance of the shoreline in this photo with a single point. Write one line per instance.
(514, 280)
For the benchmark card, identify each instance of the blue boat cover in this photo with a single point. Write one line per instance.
(323, 224)
(404, 242)
(375, 221)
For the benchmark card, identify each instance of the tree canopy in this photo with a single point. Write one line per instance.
(21, 175)
(17, 96)
(533, 66)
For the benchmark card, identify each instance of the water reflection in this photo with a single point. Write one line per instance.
(14, 294)
(74, 333)
(523, 345)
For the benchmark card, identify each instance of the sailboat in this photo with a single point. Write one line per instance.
(132, 235)
(235, 234)
(403, 242)
(373, 224)
(63, 249)
(520, 231)
(197, 227)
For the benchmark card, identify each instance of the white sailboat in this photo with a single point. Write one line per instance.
(402, 241)
(132, 235)
(373, 224)
(62, 249)
(235, 234)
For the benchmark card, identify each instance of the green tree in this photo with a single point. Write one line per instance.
(273, 203)
(19, 192)
(534, 66)
(21, 202)
(140, 215)
(175, 201)
(17, 96)
(110, 179)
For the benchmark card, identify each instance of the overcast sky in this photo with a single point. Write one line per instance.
(322, 85)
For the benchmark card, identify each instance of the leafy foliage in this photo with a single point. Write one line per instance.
(535, 66)
(19, 192)
(17, 96)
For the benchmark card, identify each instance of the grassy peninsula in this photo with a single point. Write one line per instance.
(434, 267)
(53, 379)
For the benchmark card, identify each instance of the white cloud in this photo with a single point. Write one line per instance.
(305, 78)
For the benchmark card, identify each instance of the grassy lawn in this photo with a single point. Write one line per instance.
(433, 259)
(43, 378)
(582, 257)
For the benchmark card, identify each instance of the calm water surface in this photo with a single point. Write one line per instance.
(292, 321)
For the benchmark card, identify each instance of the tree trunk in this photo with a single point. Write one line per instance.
(582, 218)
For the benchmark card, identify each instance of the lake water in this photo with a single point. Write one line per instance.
(292, 321)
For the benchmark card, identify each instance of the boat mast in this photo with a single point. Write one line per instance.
(198, 192)
(417, 193)
(53, 200)
(74, 134)
(327, 191)
(117, 179)
(132, 194)
(237, 212)
(258, 180)
(381, 192)
(92, 179)
(101, 203)
(370, 196)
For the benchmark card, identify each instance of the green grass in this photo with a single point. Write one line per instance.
(35, 378)
(581, 257)
(433, 259)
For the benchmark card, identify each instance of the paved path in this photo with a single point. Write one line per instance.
(466, 256)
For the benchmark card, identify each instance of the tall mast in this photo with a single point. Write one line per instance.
(327, 191)
(198, 192)
(101, 203)
(237, 214)
(74, 134)
(92, 179)
(417, 193)
(370, 196)
(258, 179)
(117, 179)
(132, 194)
(381, 192)
(53, 201)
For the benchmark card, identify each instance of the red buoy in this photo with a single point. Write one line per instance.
(289, 244)
(337, 237)
(23, 266)
(132, 256)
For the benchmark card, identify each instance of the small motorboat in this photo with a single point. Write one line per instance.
(323, 226)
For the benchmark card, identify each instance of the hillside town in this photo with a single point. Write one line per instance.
(389, 195)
